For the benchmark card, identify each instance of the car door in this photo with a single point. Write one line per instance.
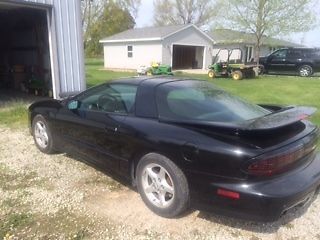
(92, 128)
(277, 61)
(294, 59)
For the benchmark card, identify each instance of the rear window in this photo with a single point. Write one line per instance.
(202, 101)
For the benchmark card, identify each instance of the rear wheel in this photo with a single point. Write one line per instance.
(42, 135)
(237, 75)
(162, 185)
(211, 74)
(305, 71)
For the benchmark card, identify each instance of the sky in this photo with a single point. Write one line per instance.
(310, 39)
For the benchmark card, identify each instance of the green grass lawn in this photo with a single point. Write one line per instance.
(95, 74)
(15, 115)
(284, 90)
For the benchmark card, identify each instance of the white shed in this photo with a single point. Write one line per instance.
(182, 47)
(41, 47)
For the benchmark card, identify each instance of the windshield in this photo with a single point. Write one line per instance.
(202, 101)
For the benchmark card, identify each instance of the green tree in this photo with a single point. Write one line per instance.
(132, 5)
(173, 12)
(114, 19)
(267, 17)
(91, 11)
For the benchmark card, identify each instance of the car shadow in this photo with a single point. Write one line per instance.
(212, 215)
(112, 174)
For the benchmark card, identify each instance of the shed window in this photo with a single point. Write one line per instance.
(130, 51)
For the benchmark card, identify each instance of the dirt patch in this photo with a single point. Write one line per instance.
(58, 197)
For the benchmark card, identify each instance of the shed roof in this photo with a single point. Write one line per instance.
(227, 36)
(150, 33)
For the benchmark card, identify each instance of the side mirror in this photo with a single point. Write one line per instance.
(73, 105)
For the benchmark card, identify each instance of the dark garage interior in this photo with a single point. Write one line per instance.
(187, 57)
(24, 51)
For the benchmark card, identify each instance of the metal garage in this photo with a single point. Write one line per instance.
(41, 48)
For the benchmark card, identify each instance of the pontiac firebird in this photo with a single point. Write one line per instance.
(179, 140)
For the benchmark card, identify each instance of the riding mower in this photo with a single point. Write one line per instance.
(155, 69)
(236, 71)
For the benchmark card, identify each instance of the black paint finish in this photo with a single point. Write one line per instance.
(211, 155)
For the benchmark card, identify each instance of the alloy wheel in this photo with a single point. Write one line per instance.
(158, 185)
(305, 71)
(41, 135)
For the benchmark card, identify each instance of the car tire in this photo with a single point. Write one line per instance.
(305, 71)
(42, 135)
(162, 185)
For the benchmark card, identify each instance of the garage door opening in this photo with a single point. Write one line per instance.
(187, 57)
(24, 51)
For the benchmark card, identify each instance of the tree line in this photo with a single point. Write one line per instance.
(103, 18)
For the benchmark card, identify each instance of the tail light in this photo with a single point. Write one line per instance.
(281, 161)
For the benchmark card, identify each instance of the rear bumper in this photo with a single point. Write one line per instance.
(263, 200)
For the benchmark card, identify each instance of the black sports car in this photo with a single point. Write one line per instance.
(184, 139)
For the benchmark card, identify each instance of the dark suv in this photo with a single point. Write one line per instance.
(303, 61)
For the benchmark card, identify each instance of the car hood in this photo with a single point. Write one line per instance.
(49, 103)
(262, 59)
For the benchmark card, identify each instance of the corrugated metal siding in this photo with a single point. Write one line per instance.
(70, 54)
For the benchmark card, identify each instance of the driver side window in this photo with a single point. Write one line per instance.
(280, 54)
(110, 98)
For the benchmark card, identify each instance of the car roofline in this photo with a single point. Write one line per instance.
(152, 81)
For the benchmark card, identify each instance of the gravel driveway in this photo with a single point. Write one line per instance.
(57, 197)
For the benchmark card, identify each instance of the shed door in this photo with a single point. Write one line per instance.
(25, 58)
(187, 57)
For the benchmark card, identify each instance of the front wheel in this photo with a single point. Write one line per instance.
(162, 185)
(211, 74)
(305, 71)
(42, 135)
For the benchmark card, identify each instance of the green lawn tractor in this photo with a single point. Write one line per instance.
(225, 69)
(159, 69)
(155, 69)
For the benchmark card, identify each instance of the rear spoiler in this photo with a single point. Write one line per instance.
(280, 118)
